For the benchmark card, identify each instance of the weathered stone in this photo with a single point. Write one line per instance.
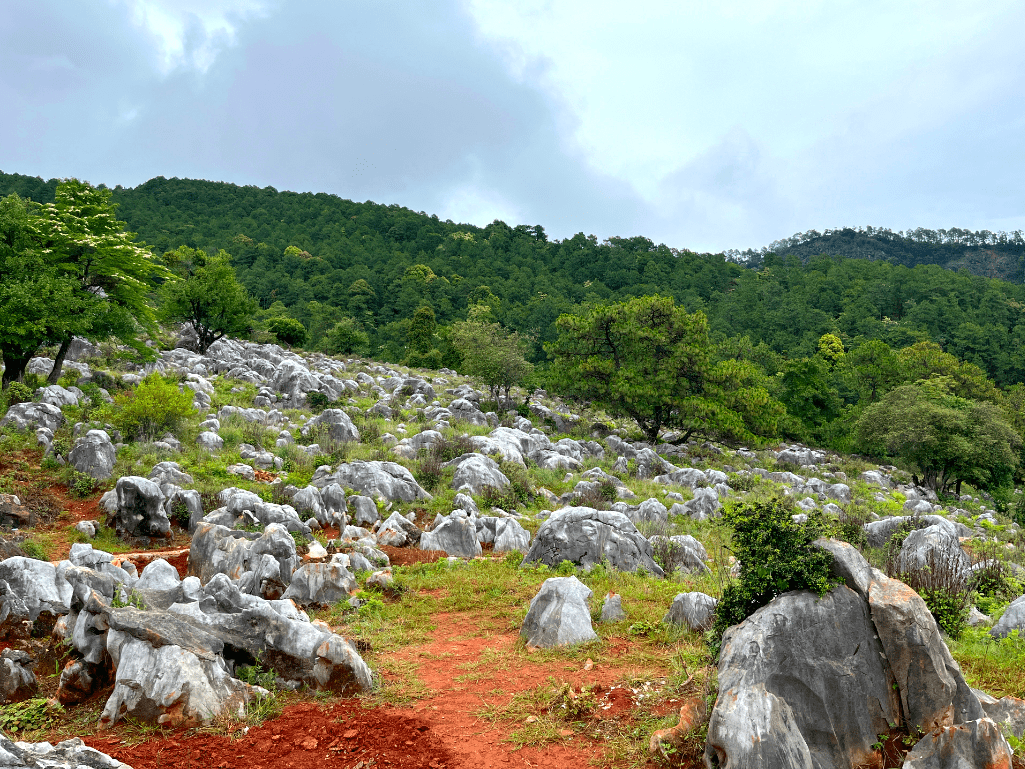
(69, 754)
(558, 614)
(802, 683)
(976, 743)
(475, 472)
(385, 480)
(694, 610)
(587, 537)
(456, 535)
(25, 416)
(510, 536)
(364, 511)
(321, 583)
(399, 531)
(17, 681)
(933, 691)
(140, 511)
(94, 455)
(337, 424)
(612, 608)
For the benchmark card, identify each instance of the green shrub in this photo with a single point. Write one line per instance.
(776, 556)
(288, 331)
(317, 401)
(18, 393)
(154, 407)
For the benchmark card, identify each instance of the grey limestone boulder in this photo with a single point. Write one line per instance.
(802, 683)
(364, 511)
(685, 552)
(170, 472)
(586, 537)
(158, 574)
(69, 754)
(612, 608)
(17, 681)
(1013, 618)
(210, 441)
(140, 508)
(32, 588)
(399, 531)
(1008, 711)
(337, 423)
(933, 548)
(933, 692)
(559, 614)
(455, 534)
(510, 536)
(693, 610)
(321, 583)
(977, 743)
(475, 472)
(58, 396)
(386, 480)
(25, 416)
(94, 455)
(650, 510)
(704, 505)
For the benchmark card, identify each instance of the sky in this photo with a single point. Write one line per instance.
(700, 125)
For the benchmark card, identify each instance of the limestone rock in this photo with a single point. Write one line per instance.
(94, 455)
(558, 614)
(586, 537)
(612, 608)
(975, 743)
(476, 472)
(456, 535)
(25, 416)
(694, 610)
(140, 511)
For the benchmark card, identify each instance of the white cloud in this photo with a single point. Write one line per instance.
(191, 33)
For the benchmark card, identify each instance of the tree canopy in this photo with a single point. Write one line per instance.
(654, 362)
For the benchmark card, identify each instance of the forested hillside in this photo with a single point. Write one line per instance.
(990, 254)
(322, 256)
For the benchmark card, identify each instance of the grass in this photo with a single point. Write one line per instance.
(995, 666)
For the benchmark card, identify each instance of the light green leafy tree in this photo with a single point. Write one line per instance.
(493, 355)
(944, 437)
(208, 296)
(652, 361)
(81, 236)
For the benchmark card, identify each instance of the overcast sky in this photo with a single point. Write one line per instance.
(701, 125)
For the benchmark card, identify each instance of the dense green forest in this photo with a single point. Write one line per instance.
(320, 255)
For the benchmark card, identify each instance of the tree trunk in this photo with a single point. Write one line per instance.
(14, 368)
(58, 363)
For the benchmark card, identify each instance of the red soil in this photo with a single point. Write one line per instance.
(305, 736)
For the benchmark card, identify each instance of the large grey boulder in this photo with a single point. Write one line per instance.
(455, 534)
(140, 508)
(170, 472)
(687, 554)
(170, 685)
(94, 455)
(587, 537)
(321, 584)
(932, 690)
(398, 531)
(29, 416)
(210, 441)
(650, 510)
(510, 536)
(386, 480)
(559, 614)
(1008, 711)
(1012, 619)
(475, 472)
(802, 683)
(337, 424)
(693, 610)
(17, 681)
(933, 549)
(704, 505)
(364, 511)
(57, 396)
(29, 588)
(158, 574)
(977, 743)
(69, 754)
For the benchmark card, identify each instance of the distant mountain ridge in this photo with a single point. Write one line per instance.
(998, 255)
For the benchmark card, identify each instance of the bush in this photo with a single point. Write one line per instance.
(154, 407)
(776, 556)
(288, 331)
(18, 393)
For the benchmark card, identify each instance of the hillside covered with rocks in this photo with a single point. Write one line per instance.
(296, 528)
